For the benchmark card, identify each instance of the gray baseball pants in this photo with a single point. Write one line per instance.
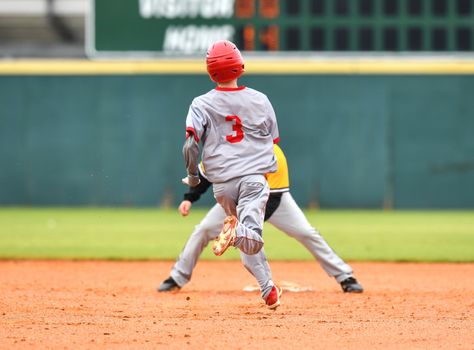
(245, 197)
(288, 217)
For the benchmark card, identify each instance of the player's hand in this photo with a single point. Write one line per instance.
(191, 180)
(185, 207)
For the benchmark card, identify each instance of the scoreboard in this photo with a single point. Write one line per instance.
(188, 27)
(182, 26)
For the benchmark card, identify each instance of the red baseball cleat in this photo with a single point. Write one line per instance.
(273, 299)
(227, 236)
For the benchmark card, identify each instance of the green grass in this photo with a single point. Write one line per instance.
(93, 233)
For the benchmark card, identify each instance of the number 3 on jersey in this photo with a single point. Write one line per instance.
(237, 127)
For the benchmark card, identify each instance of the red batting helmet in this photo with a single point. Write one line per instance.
(224, 61)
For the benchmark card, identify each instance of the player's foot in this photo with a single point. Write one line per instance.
(227, 236)
(350, 285)
(168, 285)
(273, 299)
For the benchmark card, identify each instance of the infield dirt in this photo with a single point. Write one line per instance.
(114, 305)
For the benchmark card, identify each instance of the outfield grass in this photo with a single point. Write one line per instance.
(93, 233)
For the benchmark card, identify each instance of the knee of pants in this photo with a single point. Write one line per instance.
(255, 250)
(247, 247)
(250, 225)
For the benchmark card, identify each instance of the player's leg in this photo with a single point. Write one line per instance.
(290, 219)
(254, 193)
(258, 266)
(203, 233)
(251, 193)
(246, 200)
(253, 197)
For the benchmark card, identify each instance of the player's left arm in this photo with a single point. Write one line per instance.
(272, 123)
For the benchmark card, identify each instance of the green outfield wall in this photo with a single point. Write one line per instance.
(364, 140)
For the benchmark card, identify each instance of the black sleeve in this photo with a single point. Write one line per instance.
(195, 193)
(272, 204)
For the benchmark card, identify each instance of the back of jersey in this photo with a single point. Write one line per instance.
(237, 128)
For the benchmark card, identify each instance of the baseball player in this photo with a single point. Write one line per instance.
(281, 211)
(237, 128)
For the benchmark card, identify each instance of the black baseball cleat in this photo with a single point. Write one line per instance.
(350, 285)
(168, 285)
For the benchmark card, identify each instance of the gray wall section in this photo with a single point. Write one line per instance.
(333, 132)
(351, 141)
(433, 153)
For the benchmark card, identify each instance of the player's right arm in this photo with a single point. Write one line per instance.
(195, 126)
(191, 157)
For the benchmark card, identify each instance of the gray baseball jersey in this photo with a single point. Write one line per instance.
(237, 127)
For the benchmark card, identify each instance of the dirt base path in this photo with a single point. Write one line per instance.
(104, 305)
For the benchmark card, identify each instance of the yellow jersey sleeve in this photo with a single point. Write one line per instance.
(279, 181)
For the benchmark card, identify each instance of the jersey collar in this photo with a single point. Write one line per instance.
(218, 88)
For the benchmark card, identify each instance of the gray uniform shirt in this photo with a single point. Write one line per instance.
(237, 128)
